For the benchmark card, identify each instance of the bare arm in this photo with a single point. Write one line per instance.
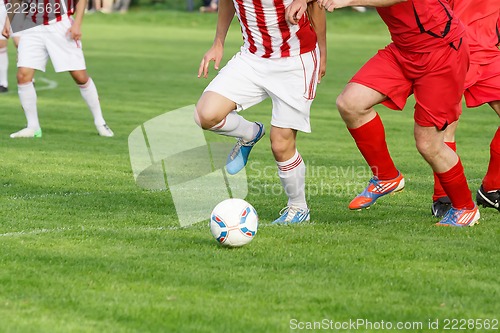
(75, 32)
(6, 28)
(317, 16)
(331, 5)
(225, 16)
(295, 10)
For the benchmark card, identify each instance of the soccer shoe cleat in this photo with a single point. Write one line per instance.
(375, 189)
(488, 199)
(291, 214)
(104, 130)
(441, 206)
(3, 89)
(238, 157)
(460, 217)
(27, 133)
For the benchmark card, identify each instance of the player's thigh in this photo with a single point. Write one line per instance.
(356, 96)
(383, 75)
(291, 83)
(438, 92)
(237, 82)
(211, 108)
(65, 53)
(31, 51)
(496, 106)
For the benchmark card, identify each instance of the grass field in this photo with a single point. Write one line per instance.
(83, 249)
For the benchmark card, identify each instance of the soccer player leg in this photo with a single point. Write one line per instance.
(232, 90)
(66, 55)
(32, 55)
(4, 66)
(380, 80)
(487, 90)
(217, 113)
(292, 86)
(440, 201)
(355, 105)
(89, 93)
(488, 195)
(449, 170)
(435, 109)
(292, 173)
(28, 98)
(4, 59)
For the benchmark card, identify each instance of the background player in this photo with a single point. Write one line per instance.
(279, 61)
(4, 58)
(429, 57)
(57, 38)
(482, 85)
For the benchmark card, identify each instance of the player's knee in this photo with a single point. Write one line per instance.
(80, 77)
(24, 77)
(426, 148)
(204, 119)
(196, 118)
(282, 148)
(346, 105)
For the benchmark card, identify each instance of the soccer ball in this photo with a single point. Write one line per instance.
(234, 222)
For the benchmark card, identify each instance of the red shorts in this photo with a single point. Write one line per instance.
(482, 84)
(435, 78)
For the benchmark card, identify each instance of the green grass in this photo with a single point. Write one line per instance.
(83, 249)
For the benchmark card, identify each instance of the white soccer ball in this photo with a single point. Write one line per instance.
(234, 222)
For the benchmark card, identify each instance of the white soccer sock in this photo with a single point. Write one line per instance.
(89, 94)
(293, 178)
(27, 96)
(236, 126)
(4, 66)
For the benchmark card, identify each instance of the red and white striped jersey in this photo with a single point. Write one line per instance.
(266, 32)
(45, 12)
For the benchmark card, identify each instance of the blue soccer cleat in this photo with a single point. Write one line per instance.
(291, 214)
(460, 217)
(238, 157)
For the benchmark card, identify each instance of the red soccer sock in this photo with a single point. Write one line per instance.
(438, 189)
(455, 186)
(370, 139)
(491, 181)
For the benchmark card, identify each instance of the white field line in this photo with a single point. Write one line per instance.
(83, 229)
(49, 84)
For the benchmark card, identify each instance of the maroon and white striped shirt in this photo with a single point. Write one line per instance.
(49, 11)
(266, 32)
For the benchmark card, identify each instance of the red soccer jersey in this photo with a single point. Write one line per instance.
(266, 32)
(481, 19)
(422, 25)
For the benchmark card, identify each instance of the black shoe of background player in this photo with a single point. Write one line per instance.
(488, 199)
(3, 89)
(441, 206)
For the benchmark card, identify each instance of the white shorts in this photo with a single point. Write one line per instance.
(41, 42)
(291, 82)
